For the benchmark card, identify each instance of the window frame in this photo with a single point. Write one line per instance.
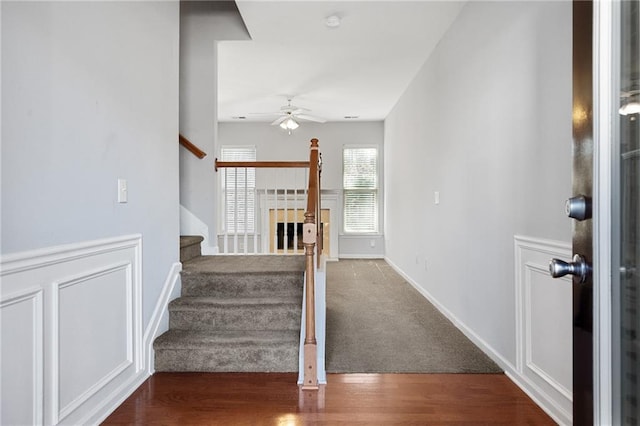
(223, 194)
(376, 191)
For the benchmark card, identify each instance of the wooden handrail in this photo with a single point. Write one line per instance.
(191, 147)
(261, 164)
(309, 240)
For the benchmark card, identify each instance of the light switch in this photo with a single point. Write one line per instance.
(436, 197)
(122, 190)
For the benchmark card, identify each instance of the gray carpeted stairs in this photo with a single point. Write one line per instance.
(236, 314)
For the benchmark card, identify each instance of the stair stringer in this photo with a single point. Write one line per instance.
(159, 322)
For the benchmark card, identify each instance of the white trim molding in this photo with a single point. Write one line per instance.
(159, 322)
(543, 326)
(73, 315)
(606, 81)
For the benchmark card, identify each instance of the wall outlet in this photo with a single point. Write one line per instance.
(372, 243)
(436, 197)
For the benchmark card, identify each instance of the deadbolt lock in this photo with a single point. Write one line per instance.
(579, 207)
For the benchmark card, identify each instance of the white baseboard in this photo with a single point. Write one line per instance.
(508, 367)
(159, 322)
(99, 414)
(361, 256)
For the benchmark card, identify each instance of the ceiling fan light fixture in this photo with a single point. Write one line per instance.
(289, 124)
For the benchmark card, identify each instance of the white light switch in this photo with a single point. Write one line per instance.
(436, 197)
(122, 190)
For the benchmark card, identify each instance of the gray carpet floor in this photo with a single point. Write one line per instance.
(378, 323)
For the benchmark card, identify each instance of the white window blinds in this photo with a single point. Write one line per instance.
(238, 190)
(360, 188)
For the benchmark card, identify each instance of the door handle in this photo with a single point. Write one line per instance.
(579, 268)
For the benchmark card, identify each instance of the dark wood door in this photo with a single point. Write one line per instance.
(583, 229)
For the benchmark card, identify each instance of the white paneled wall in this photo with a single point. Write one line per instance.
(71, 322)
(543, 323)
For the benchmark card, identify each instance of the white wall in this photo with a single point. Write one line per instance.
(202, 24)
(272, 143)
(84, 105)
(487, 124)
(90, 95)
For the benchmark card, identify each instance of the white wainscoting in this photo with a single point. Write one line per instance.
(543, 367)
(544, 325)
(71, 323)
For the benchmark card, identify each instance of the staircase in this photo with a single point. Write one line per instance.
(236, 314)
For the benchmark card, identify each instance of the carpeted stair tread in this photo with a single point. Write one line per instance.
(235, 314)
(190, 240)
(231, 284)
(200, 339)
(257, 351)
(211, 313)
(190, 247)
(245, 264)
(204, 302)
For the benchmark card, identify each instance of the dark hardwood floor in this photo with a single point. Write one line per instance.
(347, 399)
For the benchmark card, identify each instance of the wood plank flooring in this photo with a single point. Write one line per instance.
(347, 399)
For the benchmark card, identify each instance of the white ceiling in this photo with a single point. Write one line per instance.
(358, 69)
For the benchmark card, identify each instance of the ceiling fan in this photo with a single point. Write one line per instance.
(290, 114)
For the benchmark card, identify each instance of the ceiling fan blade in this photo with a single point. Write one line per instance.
(279, 120)
(311, 118)
(287, 108)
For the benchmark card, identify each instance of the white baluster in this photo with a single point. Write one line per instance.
(246, 212)
(235, 212)
(225, 222)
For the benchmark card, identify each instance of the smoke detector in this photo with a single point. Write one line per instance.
(332, 21)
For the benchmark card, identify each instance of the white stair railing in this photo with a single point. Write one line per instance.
(262, 206)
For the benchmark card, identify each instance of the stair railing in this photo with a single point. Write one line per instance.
(311, 239)
(191, 147)
(262, 206)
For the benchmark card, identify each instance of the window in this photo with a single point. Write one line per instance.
(360, 185)
(238, 190)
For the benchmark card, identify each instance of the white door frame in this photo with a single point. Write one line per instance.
(605, 88)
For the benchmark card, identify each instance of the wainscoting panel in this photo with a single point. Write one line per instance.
(21, 348)
(71, 330)
(544, 323)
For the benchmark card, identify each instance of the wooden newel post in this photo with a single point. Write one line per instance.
(310, 349)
